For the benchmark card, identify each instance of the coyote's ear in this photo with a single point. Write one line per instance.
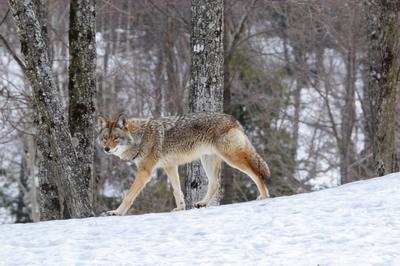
(122, 119)
(101, 123)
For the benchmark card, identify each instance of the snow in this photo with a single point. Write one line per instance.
(354, 224)
(197, 48)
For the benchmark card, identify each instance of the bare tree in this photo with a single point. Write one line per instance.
(207, 79)
(383, 52)
(82, 83)
(50, 118)
(51, 204)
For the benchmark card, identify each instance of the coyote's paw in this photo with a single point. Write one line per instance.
(261, 197)
(200, 204)
(114, 213)
(178, 209)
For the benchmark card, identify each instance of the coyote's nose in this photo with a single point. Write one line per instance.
(107, 149)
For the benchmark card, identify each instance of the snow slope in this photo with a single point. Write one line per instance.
(355, 224)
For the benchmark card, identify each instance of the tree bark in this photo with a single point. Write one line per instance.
(207, 79)
(50, 119)
(82, 85)
(383, 52)
(50, 201)
(32, 181)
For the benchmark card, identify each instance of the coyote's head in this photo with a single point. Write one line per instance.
(112, 134)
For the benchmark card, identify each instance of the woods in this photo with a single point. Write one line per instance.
(314, 84)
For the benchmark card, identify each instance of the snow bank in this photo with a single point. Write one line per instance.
(355, 224)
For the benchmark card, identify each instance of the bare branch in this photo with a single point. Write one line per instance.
(12, 53)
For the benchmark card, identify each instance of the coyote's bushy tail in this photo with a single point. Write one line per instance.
(260, 167)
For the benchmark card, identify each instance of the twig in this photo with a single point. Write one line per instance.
(5, 17)
(8, 47)
(12, 53)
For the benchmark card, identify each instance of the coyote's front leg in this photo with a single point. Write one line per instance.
(143, 176)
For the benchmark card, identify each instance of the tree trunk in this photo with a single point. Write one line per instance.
(173, 97)
(207, 79)
(50, 202)
(158, 85)
(82, 85)
(300, 70)
(367, 165)
(31, 167)
(21, 214)
(50, 119)
(348, 116)
(383, 52)
(227, 180)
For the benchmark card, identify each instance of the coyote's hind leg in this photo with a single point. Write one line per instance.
(236, 150)
(212, 167)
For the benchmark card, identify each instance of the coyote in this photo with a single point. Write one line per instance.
(168, 142)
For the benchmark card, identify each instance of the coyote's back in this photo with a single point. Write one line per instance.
(185, 132)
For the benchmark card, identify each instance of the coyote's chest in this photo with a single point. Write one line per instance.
(126, 152)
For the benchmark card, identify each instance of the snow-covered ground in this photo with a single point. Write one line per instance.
(355, 224)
